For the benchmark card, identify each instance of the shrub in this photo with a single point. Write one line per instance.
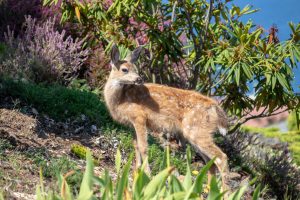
(43, 54)
(268, 159)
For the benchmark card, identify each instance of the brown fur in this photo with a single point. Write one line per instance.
(159, 108)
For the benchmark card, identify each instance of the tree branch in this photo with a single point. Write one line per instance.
(261, 115)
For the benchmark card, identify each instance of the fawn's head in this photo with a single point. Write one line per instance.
(123, 72)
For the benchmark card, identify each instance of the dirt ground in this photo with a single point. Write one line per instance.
(24, 130)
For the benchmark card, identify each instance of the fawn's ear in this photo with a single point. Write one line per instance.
(135, 55)
(115, 55)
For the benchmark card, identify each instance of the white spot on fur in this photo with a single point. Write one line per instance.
(218, 161)
(222, 130)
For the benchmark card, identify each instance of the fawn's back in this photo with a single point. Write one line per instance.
(164, 108)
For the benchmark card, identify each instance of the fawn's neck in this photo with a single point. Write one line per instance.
(113, 94)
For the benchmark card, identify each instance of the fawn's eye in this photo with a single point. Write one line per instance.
(125, 70)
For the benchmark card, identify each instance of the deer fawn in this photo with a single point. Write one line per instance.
(159, 108)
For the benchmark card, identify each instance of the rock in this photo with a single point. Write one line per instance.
(34, 111)
(94, 129)
(19, 195)
(77, 130)
(83, 117)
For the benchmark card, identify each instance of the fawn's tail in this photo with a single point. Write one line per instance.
(222, 120)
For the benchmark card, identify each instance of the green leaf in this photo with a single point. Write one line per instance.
(237, 75)
(214, 193)
(118, 160)
(176, 196)
(187, 183)
(237, 195)
(122, 183)
(86, 187)
(247, 71)
(198, 184)
(273, 80)
(256, 193)
(176, 185)
(282, 80)
(140, 181)
(156, 183)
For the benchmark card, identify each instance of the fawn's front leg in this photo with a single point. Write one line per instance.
(141, 144)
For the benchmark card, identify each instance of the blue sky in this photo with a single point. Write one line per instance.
(278, 12)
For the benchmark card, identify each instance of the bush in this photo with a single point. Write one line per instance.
(42, 54)
(268, 159)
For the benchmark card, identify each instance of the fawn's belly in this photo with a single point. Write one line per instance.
(163, 123)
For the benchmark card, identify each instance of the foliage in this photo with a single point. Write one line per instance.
(142, 186)
(293, 124)
(42, 54)
(266, 158)
(200, 45)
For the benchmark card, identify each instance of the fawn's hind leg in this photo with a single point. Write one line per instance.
(202, 140)
(210, 150)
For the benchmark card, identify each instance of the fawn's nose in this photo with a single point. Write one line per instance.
(139, 81)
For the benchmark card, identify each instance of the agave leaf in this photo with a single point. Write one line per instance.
(176, 185)
(156, 183)
(237, 195)
(198, 184)
(140, 181)
(214, 193)
(122, 183)
(98, 181)
(86, 191)
(187, 183)
(108, 187)
(256, 193)
(176, 196)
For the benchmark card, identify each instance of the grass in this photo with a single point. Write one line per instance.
(291, 137)
(56, 101)
(61, 103)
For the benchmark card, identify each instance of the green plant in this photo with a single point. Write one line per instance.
(80, 151)
(164, 185)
